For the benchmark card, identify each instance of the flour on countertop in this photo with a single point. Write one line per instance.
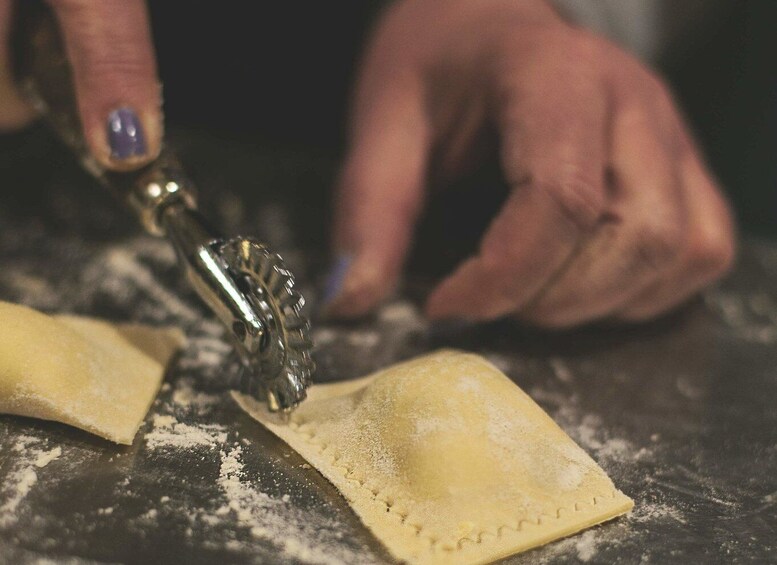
(655, 511)
(751, 317)
(301, 535)
(23, 475)
(585, 545)
(243, 519)
(169, 433)
(400, 312)
(185, 396)
(560, 369)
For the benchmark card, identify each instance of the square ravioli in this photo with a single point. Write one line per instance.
(446, 460)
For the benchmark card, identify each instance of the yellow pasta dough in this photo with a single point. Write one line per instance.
(446, 460)
(87, 373)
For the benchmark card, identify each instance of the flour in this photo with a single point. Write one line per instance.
(298, 534)
(323, 337)
(400, 312)
(23, 476)
(751, 317)
(187, 398)
(169, 433)
(47, 457)
(364, 339)
(654, 511)
(561, 370)
(585, 545)
(31, 289)
(124, 267)
(205, 352)
(590, 433)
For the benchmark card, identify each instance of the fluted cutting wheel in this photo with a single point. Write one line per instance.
(281, 366)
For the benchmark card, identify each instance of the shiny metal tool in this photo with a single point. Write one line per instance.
(246, 285)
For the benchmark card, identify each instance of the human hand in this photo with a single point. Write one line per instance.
(612, 213)
(109, 47)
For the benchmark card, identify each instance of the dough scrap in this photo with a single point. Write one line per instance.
(446, 460)
(90, 374)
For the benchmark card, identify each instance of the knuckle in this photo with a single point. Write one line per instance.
(656, 246)
(578, 198)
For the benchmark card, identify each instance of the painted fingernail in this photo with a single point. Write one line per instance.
(334, 280)
(125, 134)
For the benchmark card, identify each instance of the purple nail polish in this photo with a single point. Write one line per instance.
(125, 134)
(336, 277)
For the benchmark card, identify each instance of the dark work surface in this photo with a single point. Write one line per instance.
(681, 413)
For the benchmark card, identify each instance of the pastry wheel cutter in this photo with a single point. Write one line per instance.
(247, 286)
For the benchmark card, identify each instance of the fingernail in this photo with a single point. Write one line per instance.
(125, 134)
(334, 280)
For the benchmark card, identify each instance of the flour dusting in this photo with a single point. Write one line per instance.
(169, 433)
(305, 536)
(23, 476)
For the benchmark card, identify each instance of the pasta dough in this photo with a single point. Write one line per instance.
(87, 373)
(446, 460)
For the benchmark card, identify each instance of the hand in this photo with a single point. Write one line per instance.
(611, 213)
(109, 46)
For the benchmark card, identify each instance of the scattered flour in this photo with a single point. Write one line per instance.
(752, 318)
(30, 289)
(561, 370)
(205, 352)
(168, 432)
(400, 311)
(302, 535)
(323, 336)
(47, 457)
(585, 544)
(125, 266)
(654, 511)
(366, 339)
(186, 397)
(22, 477)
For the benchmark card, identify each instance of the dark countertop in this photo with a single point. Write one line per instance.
(681, 412)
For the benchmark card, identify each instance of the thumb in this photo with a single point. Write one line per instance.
(110, 49)
(380, 195)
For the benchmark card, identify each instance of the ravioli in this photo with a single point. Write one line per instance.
(87, 373)
(446, 460)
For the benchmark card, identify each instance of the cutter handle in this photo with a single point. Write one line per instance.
(164, 201)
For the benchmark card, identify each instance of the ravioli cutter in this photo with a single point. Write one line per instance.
(245, 284)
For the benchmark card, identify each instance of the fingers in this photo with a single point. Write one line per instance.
(14, 111)
(380, 196)
(669, 231)
(553, 148)
(708, 254)
(644, 233)
(119, 100)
